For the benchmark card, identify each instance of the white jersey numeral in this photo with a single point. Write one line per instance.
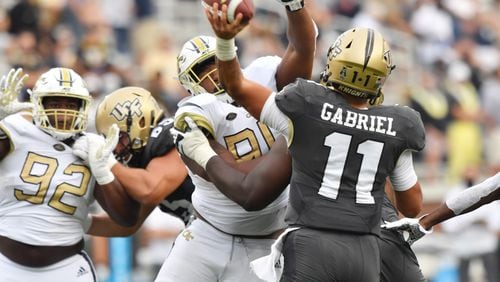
(337, 159)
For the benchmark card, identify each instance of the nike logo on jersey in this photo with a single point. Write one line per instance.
(379, 124)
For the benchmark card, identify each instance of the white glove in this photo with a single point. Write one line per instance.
(100, 155)
(10, 86)
(292, 5)
(411, 226)
(193, 143)
(81, 147)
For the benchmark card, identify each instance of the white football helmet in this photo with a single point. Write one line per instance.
(196, 54)
(60, 82)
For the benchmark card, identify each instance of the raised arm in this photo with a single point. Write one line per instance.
(297, 60)
(250, 185)
(299, 56)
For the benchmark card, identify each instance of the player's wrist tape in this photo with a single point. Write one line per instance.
(293, 5)
(225, 49)
(111, 161)
(421, 228)
(104, 177)
(203, 156)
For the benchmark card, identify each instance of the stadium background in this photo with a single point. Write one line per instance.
(448, 67)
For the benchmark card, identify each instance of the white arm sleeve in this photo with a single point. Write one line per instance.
(274, 118)
(472, 195)
(403, 177)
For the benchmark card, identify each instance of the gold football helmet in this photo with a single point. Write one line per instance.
(61, 123)
(359, 62)
(195, 57)
(136, 113)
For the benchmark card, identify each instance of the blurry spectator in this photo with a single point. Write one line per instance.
(164, 94)
(347, 8)
(434, 27)
(464, 132)
(120, 17)
(24, 16)
(434, 107)
(490, 93)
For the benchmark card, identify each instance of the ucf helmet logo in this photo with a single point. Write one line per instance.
(122, 110)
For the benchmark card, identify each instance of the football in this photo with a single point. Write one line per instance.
(234, 7)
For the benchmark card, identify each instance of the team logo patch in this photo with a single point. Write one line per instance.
(231, 116)
(187, 235)
(59, 147)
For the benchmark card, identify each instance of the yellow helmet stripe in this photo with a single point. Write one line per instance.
(65, 79)
(199, 44)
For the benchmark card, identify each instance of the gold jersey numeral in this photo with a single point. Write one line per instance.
(43, 182)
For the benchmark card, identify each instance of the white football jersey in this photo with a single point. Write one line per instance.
(45, 190)
(246, 138)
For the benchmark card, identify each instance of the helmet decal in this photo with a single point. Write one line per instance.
(122, 110)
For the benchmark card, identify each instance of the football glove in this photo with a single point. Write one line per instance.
(81, 147)
(411, 226)
(193, 143)
(10, 87)
(292, 5)
(99, 154)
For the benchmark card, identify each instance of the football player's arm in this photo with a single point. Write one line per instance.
(159, 179)
(102, 224)
(466, 201)
(117, 203)
(408, 193)
(4, 144)
(248, 94)
(299, 55)
(254, 186)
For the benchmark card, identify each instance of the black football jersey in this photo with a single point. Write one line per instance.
(159, 143)
(342, 156)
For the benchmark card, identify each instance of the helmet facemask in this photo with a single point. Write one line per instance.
(52, 97)
(196, 65)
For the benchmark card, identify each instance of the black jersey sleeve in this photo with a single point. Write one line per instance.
(160, 140)
(415, 133)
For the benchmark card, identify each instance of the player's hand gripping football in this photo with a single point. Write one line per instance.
(10, 87)
(97, 152)
(414, 230)
(292, 5)
(193, 143)
(217, 16)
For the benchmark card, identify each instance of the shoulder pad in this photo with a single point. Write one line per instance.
(415, 131)
(198, 100)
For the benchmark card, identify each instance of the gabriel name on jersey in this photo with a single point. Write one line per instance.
(379, 124)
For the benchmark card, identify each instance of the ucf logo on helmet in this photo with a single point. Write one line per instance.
(122, 110)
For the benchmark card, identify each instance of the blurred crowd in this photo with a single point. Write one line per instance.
(447, 55)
